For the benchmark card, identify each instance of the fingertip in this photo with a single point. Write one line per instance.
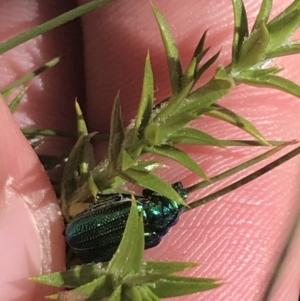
(30, 221)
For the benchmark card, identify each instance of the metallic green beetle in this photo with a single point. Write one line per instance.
(95, 234)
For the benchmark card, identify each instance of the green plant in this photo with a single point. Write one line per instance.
(158, 130)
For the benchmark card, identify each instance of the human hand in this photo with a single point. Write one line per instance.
(236, 238)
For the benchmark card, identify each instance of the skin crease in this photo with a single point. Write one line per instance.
(236, 238)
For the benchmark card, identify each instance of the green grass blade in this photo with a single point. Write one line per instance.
(146, 103)
(74, 277)
(175, 69)
(177, 155)
(254, 49)
(81, 125)
(199, 48)
(287, 49)
(116, 295)
(186, 134)
(206, 65)
(272, 81)
(251, 142)
(189, 74)
(174, 103)
(16, 101)
(240, 29)
(263, 15)
(236, 120)
(244, 180)
(208, 94)
(169, 267)
(172, 286)
(6, 91)
(55, 22)
(129, 256)
(293, 6)
(97, 289)
(238, 168)
(281, 30)
(32, 133)
(133, 293)
(256, 73)
(70, 175)
(152, 182)
(158, 133)
(147, 294)
(117, 135)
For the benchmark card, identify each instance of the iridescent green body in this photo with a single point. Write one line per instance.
(95, 234)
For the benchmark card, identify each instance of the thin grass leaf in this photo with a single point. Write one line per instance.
(292, 7)
(163, 267)
(74, 277)
(225, 143)
(256, 73)
(70, 176)
(239, 168)
(133, 294)
(16, 101)
(202, 54)
(251, 143)
(129, 256)
(174, 103)
(146, 104)
(238, 121)
(127, 160)
(206, 65)
(152, 182)
(282, 29)
(263, 15)
(272, 81)
(147, 294)
(97, 289)
(177, 155)
(33, 133)
(158, 133)
(206, 95)
(86, 161)
(173, 286)
(141, 279)
(6, 91)
(190, 141)
(287, 49)
(189, 135)
(244, 180)
(200, 46)
(199, 53)
(254, 49)
(116, 295)
(53, 23)
(117, 135)
(240, 29)
(69, 181)
(175, 69)
(69, 296)
(189, 74)
(81, 125)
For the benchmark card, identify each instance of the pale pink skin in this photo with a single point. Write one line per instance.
(236, 238)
